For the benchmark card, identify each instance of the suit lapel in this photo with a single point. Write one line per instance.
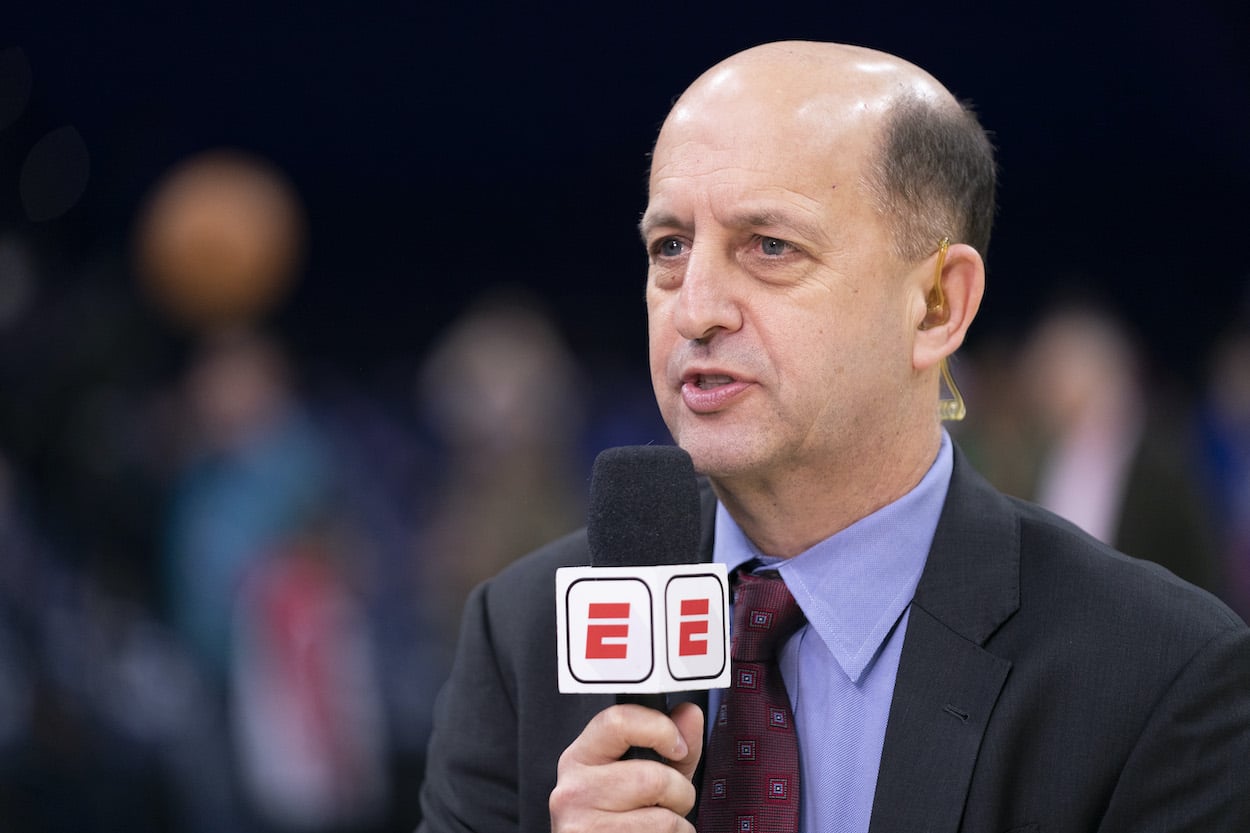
(943, 698)
(947, 682)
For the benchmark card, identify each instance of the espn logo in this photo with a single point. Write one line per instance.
(648, 629)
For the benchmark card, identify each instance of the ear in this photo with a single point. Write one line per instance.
(947, 314)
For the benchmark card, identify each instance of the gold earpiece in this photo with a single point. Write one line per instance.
(952, 409)
(937, 313)
(935, 303)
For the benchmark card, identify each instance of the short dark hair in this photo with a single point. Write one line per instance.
(935, 177)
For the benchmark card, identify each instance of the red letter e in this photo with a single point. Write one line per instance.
(596, 648)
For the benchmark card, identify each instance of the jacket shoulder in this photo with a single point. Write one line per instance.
(1091, 577)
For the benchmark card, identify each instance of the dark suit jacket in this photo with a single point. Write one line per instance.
(1047, 683)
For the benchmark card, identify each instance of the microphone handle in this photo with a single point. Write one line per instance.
(659, 702)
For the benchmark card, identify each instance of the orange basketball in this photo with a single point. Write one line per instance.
(219, 239)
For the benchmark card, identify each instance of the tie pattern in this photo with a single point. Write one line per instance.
(751, 779)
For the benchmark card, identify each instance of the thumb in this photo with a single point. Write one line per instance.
(689, 720)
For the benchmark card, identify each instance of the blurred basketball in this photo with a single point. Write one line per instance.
(219, 239)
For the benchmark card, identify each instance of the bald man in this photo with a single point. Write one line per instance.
(969, 662)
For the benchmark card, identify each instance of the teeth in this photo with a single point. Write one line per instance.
(705, 382)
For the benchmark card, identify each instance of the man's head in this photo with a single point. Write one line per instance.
(792, 257)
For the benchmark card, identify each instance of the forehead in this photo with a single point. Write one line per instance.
(804, 117)
(748, 164)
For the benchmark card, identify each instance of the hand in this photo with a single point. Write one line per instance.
(596, 790)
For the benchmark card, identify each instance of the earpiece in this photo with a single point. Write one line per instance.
(935, 304)
(936, 311)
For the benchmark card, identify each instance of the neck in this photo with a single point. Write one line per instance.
(784, 516)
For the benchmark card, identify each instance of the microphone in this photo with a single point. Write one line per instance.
(646, 617)
(644, 507)
(644, 511)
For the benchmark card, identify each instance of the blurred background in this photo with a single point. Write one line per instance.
(311, 318)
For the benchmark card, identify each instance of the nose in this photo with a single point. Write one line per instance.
(707, 302)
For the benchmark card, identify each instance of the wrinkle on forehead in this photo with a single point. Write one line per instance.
(734, 171)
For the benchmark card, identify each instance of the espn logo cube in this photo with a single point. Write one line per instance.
(642, 630)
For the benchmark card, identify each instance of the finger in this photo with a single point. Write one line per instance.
(688, 718)
(614, 730)
(622, 786)
(657, 820)
(642, 820)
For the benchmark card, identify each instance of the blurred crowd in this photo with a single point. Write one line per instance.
(230, 582)
(230, 585)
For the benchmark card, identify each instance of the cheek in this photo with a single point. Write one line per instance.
(659, 341)
(831, 349)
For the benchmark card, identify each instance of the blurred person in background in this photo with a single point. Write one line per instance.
(98, 701)
(256, 471)
(1114, 457)
(306, 706)
(500, 391)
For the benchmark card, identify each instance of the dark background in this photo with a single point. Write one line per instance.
(440, 148)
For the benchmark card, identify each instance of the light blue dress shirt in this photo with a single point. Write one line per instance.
(855, 589)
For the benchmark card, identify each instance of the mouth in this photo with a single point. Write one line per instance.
(709, 393)
(711, 380)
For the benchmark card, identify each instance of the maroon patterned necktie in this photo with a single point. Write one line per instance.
(751, 779)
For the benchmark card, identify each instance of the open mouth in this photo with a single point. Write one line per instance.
(709, 382)
(709, 393)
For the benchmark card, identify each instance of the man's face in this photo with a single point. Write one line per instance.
(779, 328)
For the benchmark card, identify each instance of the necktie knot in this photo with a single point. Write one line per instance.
(765, 615)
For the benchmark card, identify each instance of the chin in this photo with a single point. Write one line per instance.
(716, 457)
(724, 444)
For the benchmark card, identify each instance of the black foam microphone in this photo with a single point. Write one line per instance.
(644, 512)
(644, 507)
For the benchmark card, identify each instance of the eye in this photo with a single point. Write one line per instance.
(773, 247)
(670, 247)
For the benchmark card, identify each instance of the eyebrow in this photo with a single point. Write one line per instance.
(761, 218)
(650, 222)
(767, 218)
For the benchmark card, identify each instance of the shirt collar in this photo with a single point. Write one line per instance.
(854, 586)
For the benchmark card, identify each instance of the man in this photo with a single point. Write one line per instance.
(969, 662)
